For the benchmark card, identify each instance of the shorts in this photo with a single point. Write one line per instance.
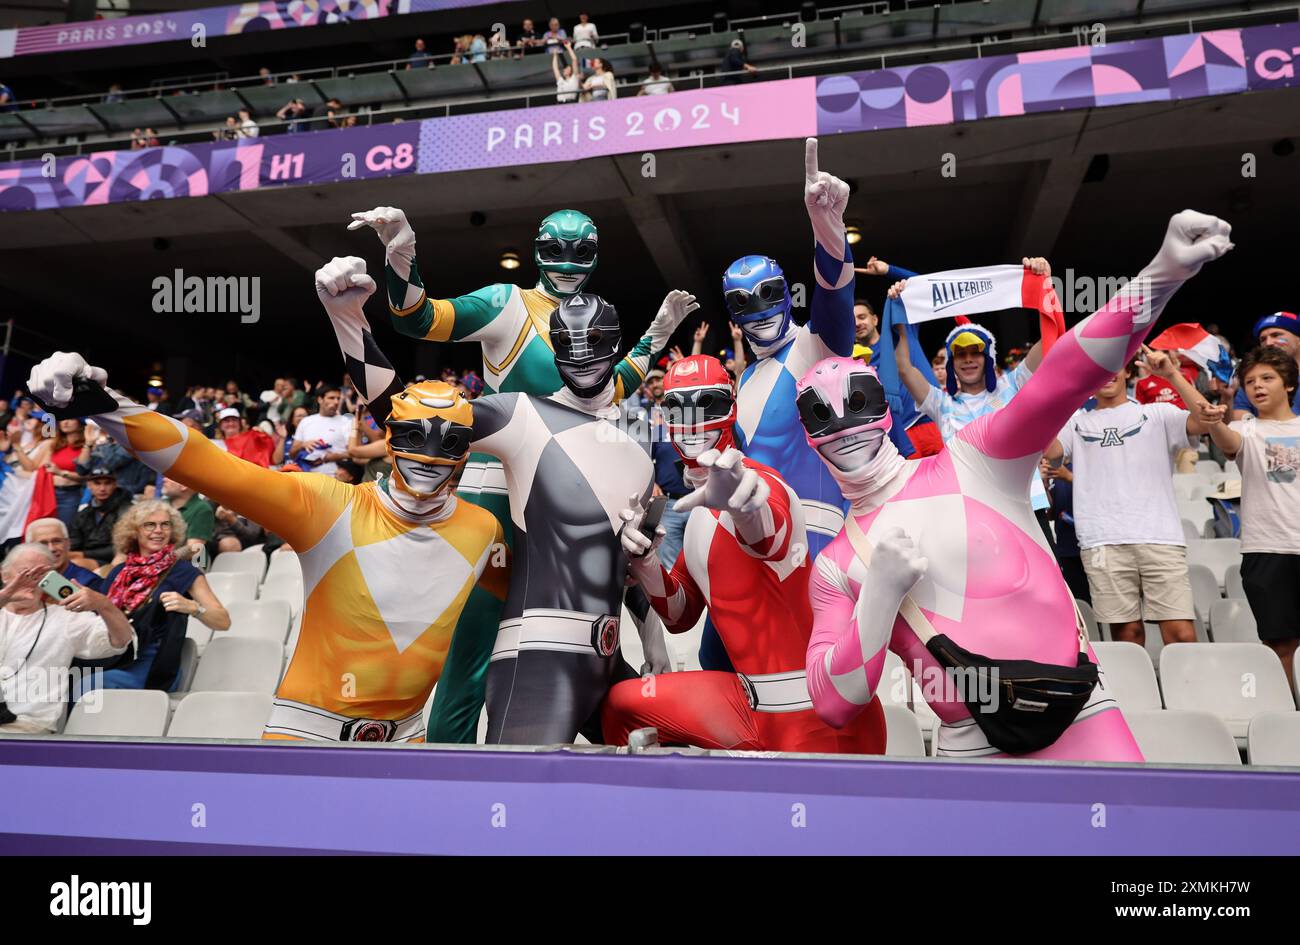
(1272, 584)
(1139, 582)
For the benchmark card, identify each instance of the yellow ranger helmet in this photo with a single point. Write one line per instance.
(428, 433)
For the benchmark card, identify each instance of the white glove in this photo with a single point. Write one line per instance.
(676, 306)
(637, 544)
(343, 286)
(1192, 240)
(654, 647)
(391, 225)
(52, 379)
(896, 566)
(825, 196)
(731, 487)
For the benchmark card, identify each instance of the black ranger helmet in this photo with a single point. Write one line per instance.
(585, 333)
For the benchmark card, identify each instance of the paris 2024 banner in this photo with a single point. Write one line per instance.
(1170, 68)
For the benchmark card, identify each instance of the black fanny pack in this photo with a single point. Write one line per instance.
(1020, 706)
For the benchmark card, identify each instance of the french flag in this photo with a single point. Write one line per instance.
(1199, 345)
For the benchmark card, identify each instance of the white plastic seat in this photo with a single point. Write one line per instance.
(1182, 737)
(128, 713)
(1205, 590)
(230, 586)
(1196, 512)
(234, 664)
(1187, 484)
(1232, 470)
(1232, 586)
(199, 632)
(284, 562)
(1191, 532)
(902, 732)
(261, 619)
(1208, 467)
(1235, 681)
(1129, 675)
(286, 587)
(1096, 632)
(1274, 739)
(190, 654)
(1155, 641)
(1217, 554)
(1231, 621)
(221, 715)
(239, 562)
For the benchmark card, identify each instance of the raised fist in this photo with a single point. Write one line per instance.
(896, 566)
(52, 380)
(344, 278)
(1193, 239)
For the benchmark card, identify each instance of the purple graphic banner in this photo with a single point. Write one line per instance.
(1164, 69)
(197, 170)
(1152, 70)
(256, 16)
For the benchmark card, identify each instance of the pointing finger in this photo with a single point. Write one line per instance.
(810, 160)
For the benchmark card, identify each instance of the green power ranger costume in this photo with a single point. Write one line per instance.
(512, 326)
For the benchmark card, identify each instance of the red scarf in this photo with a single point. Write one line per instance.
(138, 578)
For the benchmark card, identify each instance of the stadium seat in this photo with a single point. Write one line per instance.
(1183, 737)
(230, 586)
(239, 562)
(1232, 469)
(266, 619)
(221, 715)
(1231, 621)
(234, 664)
(1129, 675)
(1205, 589)
(190, 654)
(283, 562)
(200, 632)
(1208, 467)
(126, 713)
(1186, 485)
(1232, 586)
(1235, 681)
(902, 732)
(1191, 532)
(1274, 739)
(1195, 511)
(1096, 631)
(1217, 554)
(286, 587)
(1155, 641)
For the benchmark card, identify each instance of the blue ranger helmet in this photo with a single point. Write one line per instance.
(757, 298)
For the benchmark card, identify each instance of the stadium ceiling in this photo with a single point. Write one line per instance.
(1088, 188)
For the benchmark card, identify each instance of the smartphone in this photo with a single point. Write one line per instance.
(653, 514)
(200, 559)
(56, 586)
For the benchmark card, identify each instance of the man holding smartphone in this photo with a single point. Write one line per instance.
(40, 635)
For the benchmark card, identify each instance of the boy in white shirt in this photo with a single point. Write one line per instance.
(1267, 450)
(1126, 517)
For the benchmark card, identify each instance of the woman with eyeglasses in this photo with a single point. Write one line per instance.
(158, 592)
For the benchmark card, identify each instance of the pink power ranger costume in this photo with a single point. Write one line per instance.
(955, 530)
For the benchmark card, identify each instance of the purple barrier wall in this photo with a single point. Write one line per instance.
(298, 798)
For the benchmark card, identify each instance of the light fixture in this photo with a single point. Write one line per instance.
(853, 234)
(509, 259)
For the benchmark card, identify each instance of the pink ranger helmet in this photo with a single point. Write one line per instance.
(839, 397)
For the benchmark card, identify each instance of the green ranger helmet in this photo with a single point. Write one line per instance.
(565, 252)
